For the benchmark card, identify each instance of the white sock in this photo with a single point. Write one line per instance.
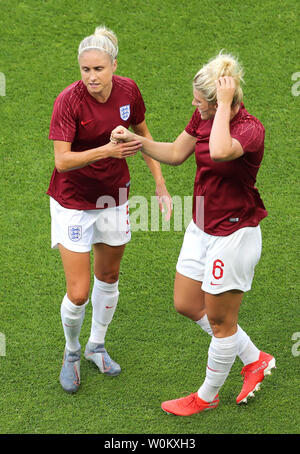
(205, 325)
(247, 351)
(104, 300)
(72, 317)
(221, 356)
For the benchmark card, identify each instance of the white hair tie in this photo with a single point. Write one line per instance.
(97, 48)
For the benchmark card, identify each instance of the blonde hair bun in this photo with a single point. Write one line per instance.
(103, 31)
(219, 66)
(103, 39)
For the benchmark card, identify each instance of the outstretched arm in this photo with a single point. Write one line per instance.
(174, 153)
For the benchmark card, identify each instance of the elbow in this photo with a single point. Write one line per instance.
(60, 167)
(176, 157)
(218, 155)
(217, 158)
(176, 162)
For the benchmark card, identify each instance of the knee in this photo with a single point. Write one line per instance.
(110, 277)
(217, 325)
(216, 320)
(181, 307)
(180, 310)
(222, 326)
(78, 296)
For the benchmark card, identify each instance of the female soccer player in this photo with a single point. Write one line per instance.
(222, 244)
(89, 194)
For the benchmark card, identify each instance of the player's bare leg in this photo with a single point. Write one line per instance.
(189, 297)
(107, 260)
(222, 311)
(77, 273)
(77, 270)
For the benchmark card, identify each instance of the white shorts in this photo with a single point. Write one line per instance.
(77, 230)
(221, 263)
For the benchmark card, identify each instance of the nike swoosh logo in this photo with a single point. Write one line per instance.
(213, 370)
(105, 368)
(109, 307)
(86, 122)
(214, 284)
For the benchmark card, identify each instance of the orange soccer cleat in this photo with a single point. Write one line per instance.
(254, 373)
(189, 405)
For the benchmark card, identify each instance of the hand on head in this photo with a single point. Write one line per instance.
(225, 89)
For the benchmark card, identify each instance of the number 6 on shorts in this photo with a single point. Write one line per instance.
(218, 269)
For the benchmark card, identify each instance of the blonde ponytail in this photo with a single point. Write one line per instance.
(103, 39)
(219, 66)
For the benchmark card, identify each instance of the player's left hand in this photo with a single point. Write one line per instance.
(225, 90)
(164, 200)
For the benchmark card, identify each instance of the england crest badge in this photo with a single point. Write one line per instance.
(125, 112)
(75, 232)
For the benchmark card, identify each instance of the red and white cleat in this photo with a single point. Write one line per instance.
(254, 374)
(189, 405)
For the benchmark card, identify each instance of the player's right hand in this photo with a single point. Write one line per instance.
(123, 150)
(121, 134)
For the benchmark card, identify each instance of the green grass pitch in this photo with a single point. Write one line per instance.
(163, 355)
